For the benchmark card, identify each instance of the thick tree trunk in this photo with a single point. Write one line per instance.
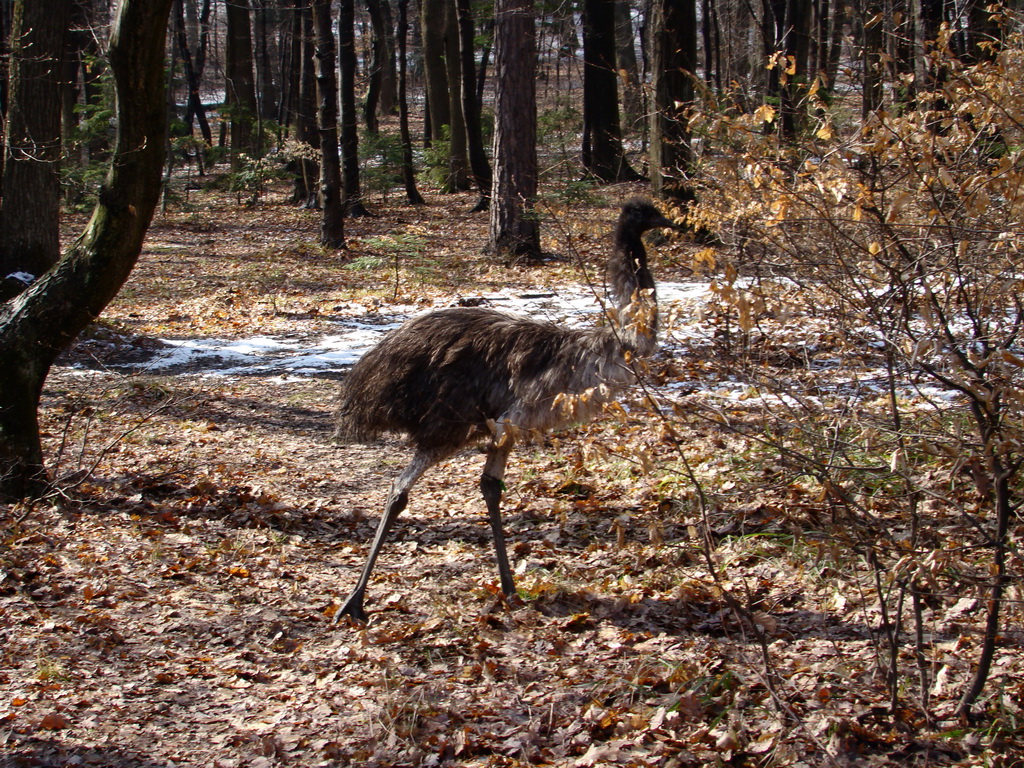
(514, 231)
(37, 325)
(30, 231)
(332, 223)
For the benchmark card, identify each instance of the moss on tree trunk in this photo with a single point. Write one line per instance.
(37, 325)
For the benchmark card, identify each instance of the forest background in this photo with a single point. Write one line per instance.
(796, 543)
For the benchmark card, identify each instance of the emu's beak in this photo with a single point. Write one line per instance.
(669, 224)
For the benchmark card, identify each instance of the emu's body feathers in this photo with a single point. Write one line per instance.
(444, 378)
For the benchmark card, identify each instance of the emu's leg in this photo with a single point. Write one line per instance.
(490, 486)
(397, 500)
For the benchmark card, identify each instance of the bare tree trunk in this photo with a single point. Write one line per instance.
(432, 29)
(603, 153)
(625, 58)
(241, 87)
(30, 230)
(37, 325)
(796, 44)
(308, 175)
(871, 58)
(267, 88)
(478, 162)
(382, 91)
(674, 60)
(332, 224)
(927, 16)
(711, 33)
(202, 42)
(773, 17)
(458, 162)
(408, 169)
(80, 50)
(514, 231)
(441, 66)
(195, 107)
(353, 202)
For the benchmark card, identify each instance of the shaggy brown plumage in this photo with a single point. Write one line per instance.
(456, 376)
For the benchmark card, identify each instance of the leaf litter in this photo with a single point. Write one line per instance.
(174, 605)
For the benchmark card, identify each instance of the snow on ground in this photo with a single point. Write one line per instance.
(288, 356)
(281, 359)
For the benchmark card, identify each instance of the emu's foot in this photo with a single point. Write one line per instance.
(353, 610)
(501, 598)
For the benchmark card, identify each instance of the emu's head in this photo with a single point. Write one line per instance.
(638, 216)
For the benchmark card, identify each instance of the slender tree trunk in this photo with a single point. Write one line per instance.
(710, 44)
(441, 66)
(835, 45)
(927, 22)
(485, 56)
(432, 30)
(203, 39)
(458, 161)
(268, 89)
(306, 110)
(241, 86)
(408, 168)
(603, 153)
(37, 325)
(478, 161)
(78, 44)
(381, 93)
(1005, 512)
(353, 194)
(514, 231)
(195, 107)
(332, 223)
(872, 50)
(30, 229)
(772, 30)
(673, 64)
(625, 58)
(290, 63)
(796, 44)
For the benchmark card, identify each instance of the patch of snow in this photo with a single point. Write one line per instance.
(290, 357)
(284, 359)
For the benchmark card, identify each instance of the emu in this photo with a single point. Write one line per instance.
(458, 376)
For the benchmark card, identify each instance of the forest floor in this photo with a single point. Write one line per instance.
(172, 605)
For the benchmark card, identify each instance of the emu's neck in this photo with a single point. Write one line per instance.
(631, 288)
(628, 270)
